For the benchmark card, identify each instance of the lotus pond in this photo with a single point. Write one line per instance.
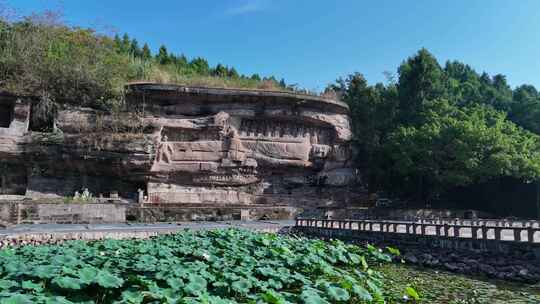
(233, 266)
(213, 266)
(442, 287)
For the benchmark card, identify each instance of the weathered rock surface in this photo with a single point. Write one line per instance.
(183, 145)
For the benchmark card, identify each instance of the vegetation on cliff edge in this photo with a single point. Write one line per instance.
(41, 56)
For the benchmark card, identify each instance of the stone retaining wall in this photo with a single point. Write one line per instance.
(52, 213)
(153, 213)
(519, 261)
(55, 237)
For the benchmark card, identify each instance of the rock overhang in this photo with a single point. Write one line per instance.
(173, 93)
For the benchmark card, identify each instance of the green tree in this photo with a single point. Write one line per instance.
(134, 48)
(525, 108)
(458, 147)
(126, 43)
(421, 80)
(200, 66)
(256, 77)
(146, 54)
(220, 70)
(182, 62)
(163, 55)
(373, 113)
(117, 43)
(233, 73)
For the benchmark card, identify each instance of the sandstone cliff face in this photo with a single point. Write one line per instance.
(185, 146)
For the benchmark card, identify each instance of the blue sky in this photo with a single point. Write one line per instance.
(313, 42)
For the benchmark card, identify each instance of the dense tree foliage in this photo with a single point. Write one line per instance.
(65, 63)
(438, 128)
(42, 57)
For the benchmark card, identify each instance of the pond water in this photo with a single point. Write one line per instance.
(435, 286)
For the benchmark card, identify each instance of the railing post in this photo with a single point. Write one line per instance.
(446, 229)
(456, 231)
(474, 233)
(517, 234)
(423, 229)
(497, 231)
(530, 234)
(483, 230)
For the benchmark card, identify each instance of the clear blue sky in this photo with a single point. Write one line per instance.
(313, 42)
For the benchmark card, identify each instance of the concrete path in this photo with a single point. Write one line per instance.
(269, 226)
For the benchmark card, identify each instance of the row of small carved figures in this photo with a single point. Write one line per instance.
(277, 129)
(441, 229)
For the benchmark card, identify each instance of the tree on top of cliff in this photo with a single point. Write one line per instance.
(39, 54)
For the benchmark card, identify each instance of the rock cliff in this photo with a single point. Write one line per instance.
(185, 147)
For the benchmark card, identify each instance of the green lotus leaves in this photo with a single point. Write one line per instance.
(87, 275)
(196, 285)
(312, 296)
(7, 284)
(67, 282)
(338, 294)
(108, 280)
(241, 286)
(45, 271)
(411, 292)
(362, 293)
(215, 267)
(175, 283)
(29, 285)
(17, 299)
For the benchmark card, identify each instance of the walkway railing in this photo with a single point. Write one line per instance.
(519, 231)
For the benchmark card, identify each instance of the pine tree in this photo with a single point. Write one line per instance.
(134, 48)
(146, 54)
(200, 66)
(182, 61)
(117, 43)
(163, 56)
(233, 73)
(220, 70)
(126, 43)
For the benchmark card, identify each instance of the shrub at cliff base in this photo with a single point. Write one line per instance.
(215, 266)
